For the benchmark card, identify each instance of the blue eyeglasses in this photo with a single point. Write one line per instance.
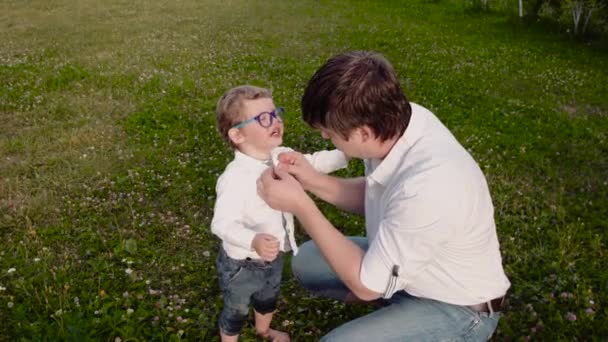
(264, 119)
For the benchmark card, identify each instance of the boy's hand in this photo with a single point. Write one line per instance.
(266, 245)
(297, 166)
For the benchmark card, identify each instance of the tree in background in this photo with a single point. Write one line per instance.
(581, 11)
(577, 14)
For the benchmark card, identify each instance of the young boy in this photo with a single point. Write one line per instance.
(253, 235)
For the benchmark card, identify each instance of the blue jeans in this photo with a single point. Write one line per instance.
(404, 318)
(245, 282)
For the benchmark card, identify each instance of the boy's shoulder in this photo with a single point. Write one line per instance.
(232, 169)
(235, 172)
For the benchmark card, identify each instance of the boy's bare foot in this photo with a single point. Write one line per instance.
(277, 336)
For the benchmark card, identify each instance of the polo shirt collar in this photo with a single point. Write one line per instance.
(250, 162)
(383, 173)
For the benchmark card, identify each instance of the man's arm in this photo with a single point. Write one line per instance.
(347, 194)
(342, 255)
(283, 192)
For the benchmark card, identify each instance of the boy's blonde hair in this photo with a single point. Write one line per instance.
(228, 110)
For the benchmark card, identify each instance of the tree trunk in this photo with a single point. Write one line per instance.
(587, 17)
(576, 15)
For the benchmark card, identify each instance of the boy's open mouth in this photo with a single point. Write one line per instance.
(276, 132)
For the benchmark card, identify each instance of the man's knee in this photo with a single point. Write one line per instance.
(301, 262)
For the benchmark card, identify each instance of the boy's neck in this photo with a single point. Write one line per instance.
(256, 154)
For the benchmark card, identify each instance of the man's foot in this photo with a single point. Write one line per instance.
(277, 336)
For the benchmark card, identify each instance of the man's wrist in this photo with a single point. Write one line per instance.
(314, 183)
(305, 205)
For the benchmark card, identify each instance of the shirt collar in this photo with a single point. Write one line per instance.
(250, 162)
(396, 156)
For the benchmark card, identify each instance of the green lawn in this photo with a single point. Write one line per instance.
(109, 155)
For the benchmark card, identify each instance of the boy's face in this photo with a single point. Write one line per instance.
(252, 138)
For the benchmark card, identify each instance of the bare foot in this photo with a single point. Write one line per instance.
(277, 336)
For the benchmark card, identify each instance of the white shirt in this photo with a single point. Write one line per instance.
(428, 211)
(240, 213)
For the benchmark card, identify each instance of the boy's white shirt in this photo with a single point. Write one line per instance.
(240, 213)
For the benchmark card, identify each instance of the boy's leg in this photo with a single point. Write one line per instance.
(265, 301)
(237, 287)
(409, 318)
(262, 327)
(227, 338)
(313, 273)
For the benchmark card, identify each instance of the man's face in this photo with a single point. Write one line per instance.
(350, 146)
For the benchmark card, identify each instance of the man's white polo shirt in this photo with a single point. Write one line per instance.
(430, 218)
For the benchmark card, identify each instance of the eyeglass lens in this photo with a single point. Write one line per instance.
(265, 119)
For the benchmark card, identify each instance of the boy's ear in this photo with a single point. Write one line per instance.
(235, 136)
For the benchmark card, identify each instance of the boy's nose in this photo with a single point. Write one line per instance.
(276, 121)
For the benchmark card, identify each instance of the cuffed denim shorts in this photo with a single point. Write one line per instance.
(247, 282)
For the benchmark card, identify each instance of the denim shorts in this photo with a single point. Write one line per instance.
(244, 283)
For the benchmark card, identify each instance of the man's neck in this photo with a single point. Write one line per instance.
(383, 148)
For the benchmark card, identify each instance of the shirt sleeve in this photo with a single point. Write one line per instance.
(404, 245)
(327, 161)
(228, 223)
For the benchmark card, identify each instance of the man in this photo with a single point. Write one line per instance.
(431, 248)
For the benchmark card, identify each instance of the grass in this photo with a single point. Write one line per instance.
(109, 155)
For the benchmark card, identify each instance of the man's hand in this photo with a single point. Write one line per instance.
(267, 246)
(281, 191)
(296, 165)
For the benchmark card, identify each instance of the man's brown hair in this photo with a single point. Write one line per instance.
(355, 89)
(229, 107)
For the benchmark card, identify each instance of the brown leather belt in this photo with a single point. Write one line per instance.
(495, 305)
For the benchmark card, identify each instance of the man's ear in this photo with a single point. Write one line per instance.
(235, 136)
(365, 133)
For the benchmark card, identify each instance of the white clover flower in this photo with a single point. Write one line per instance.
(129, 311)
(36, 259)
(128, 271)
(206, 254)
(10, 304)
(11, 270)
(2, 288)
